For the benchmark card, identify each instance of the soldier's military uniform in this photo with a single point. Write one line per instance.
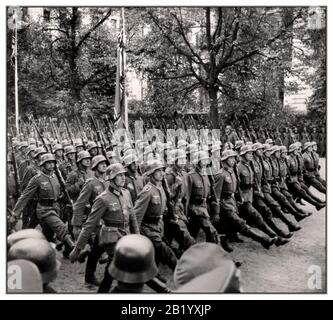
(177, 180)
(199, 193)
(67, 167)
(294, 184)
(149, 209)
(315, 157)
(114, 207)
(76, 180)
(47, 190)
(134, 184)
(309, 173)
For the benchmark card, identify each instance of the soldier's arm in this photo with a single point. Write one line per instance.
(80, 204)
(28, 174)
(134, 227)
(73, 184)
(173, 185)
(141, 205)
(97, 212)
(28, 194)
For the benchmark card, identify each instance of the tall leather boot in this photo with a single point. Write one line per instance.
(224, 243)
(291, 225)
(264, 240)
(318, 204)
(280, 232)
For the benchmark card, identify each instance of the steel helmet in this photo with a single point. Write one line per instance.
(267, 147)
(78, 143)
(46, 157)
(91, 145)
(129, 158)
(30, 149)
(83, 155)
(257, 146)
(134, 260)
(181, 143)
(113, 170)
(283, 149)
(293, 147)
(58, 146)
(179, 154)
(39, 151)
(23, 144)
(69, 149)
(245, 149)
(153, 165)
(24, 234)
(228, 146)
(191, 148)
(238, 144)
(65, 143)
(275, 148)
(202, 155)
(227, 154)
(38, 251)
(96, 160)
(307, 145)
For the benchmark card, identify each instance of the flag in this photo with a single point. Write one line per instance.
(120, 105)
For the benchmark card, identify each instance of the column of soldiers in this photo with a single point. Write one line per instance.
(166, 192)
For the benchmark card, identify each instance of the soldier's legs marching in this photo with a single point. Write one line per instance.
(267, 215)
(311, 180)
(307, 190)
(283, 201)
(106, 283)
(295, 206)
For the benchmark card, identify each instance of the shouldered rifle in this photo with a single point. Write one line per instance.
(99, 137)
(56, 169)
(170, 215)
(68, 132)
(81, 131)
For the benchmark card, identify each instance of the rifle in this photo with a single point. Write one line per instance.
(171, 215)
(99, 137)
(80, 131)
(56, 169)
(16, 176)
(68, 132)
(56, 133)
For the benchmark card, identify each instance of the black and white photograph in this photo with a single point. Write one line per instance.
(166, 149)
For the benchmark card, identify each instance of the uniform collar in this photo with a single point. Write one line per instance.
(115, 189)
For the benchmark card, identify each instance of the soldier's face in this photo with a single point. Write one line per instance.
(133, 166)
(204, 162)
(259, 152)
(59, 153)
(158, 175)
(314, 148)
(71, 156)
(181, 162)
(310, 149)
(249, 156)
(101, 167)
(78, 149)
(283, 155)
(86, 162)
(277, 154)
(94, 151)
(231, 161)
(119, 180)
(49, 165)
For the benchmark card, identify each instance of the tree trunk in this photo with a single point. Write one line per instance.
(213, 107)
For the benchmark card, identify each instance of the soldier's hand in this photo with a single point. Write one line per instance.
(76, 232)
(12, 220)
(178, 180)
(74, 255)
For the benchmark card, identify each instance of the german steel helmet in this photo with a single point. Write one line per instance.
(58, 147)
(129, 158)
(257, 146)
(69, 149)
(83, 155)
(283, 149)
(293, 147)
(154, 165)
(30, 149)
(24, 234)
(96, 160)
(275, 148)
(47, 157)
(227, 154)
(134, 260)
(245, 149)
(238, 144)
(38, 251)
(113, 170)
(307, 145)
(39, 151)
(91, 145)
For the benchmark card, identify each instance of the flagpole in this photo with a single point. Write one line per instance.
(16, 78)
(125, 110)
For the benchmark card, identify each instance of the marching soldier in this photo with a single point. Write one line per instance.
(293, 182)
(176, 179)
(78, 144)
(246, 209)
(225, 188)
(134, 181)
(149, 209)
(200, 200)
(70, 164)
(92, 148)
(46, 187)
(115, 207)
(310, 170)
(58, 151)
(92, 188)
(315, 157)
(27, 162)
